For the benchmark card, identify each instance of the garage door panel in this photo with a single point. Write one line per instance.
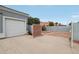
(14, 27)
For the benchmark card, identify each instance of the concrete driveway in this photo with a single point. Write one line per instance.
(43, 45)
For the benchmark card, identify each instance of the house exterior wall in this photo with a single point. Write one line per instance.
(9, 14)
(29, 28)
(12, 15)
(1, 23)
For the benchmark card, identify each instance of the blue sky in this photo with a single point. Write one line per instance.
(56, 13)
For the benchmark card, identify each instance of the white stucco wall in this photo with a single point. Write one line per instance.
(58, 28)
(1, 23)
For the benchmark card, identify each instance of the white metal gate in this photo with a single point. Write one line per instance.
(75, 29)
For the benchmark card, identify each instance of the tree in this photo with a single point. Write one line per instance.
(32, 21)
(51, 23)
(56, 23)
(36, 21)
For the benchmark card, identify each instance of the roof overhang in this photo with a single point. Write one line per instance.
(12, 10)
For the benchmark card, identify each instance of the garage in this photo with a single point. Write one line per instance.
(12, 22)
(15, 27)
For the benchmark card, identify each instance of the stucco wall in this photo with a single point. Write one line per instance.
(58, 28)
(14, 15)
(9, 14)
(36, 30)
(29, 28)
(1, 23)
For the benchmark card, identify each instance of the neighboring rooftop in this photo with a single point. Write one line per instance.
(47, 23)
(44, 23)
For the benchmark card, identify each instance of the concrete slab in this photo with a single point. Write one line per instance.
(40, 45)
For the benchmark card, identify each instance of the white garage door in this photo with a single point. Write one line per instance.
(15, 27)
